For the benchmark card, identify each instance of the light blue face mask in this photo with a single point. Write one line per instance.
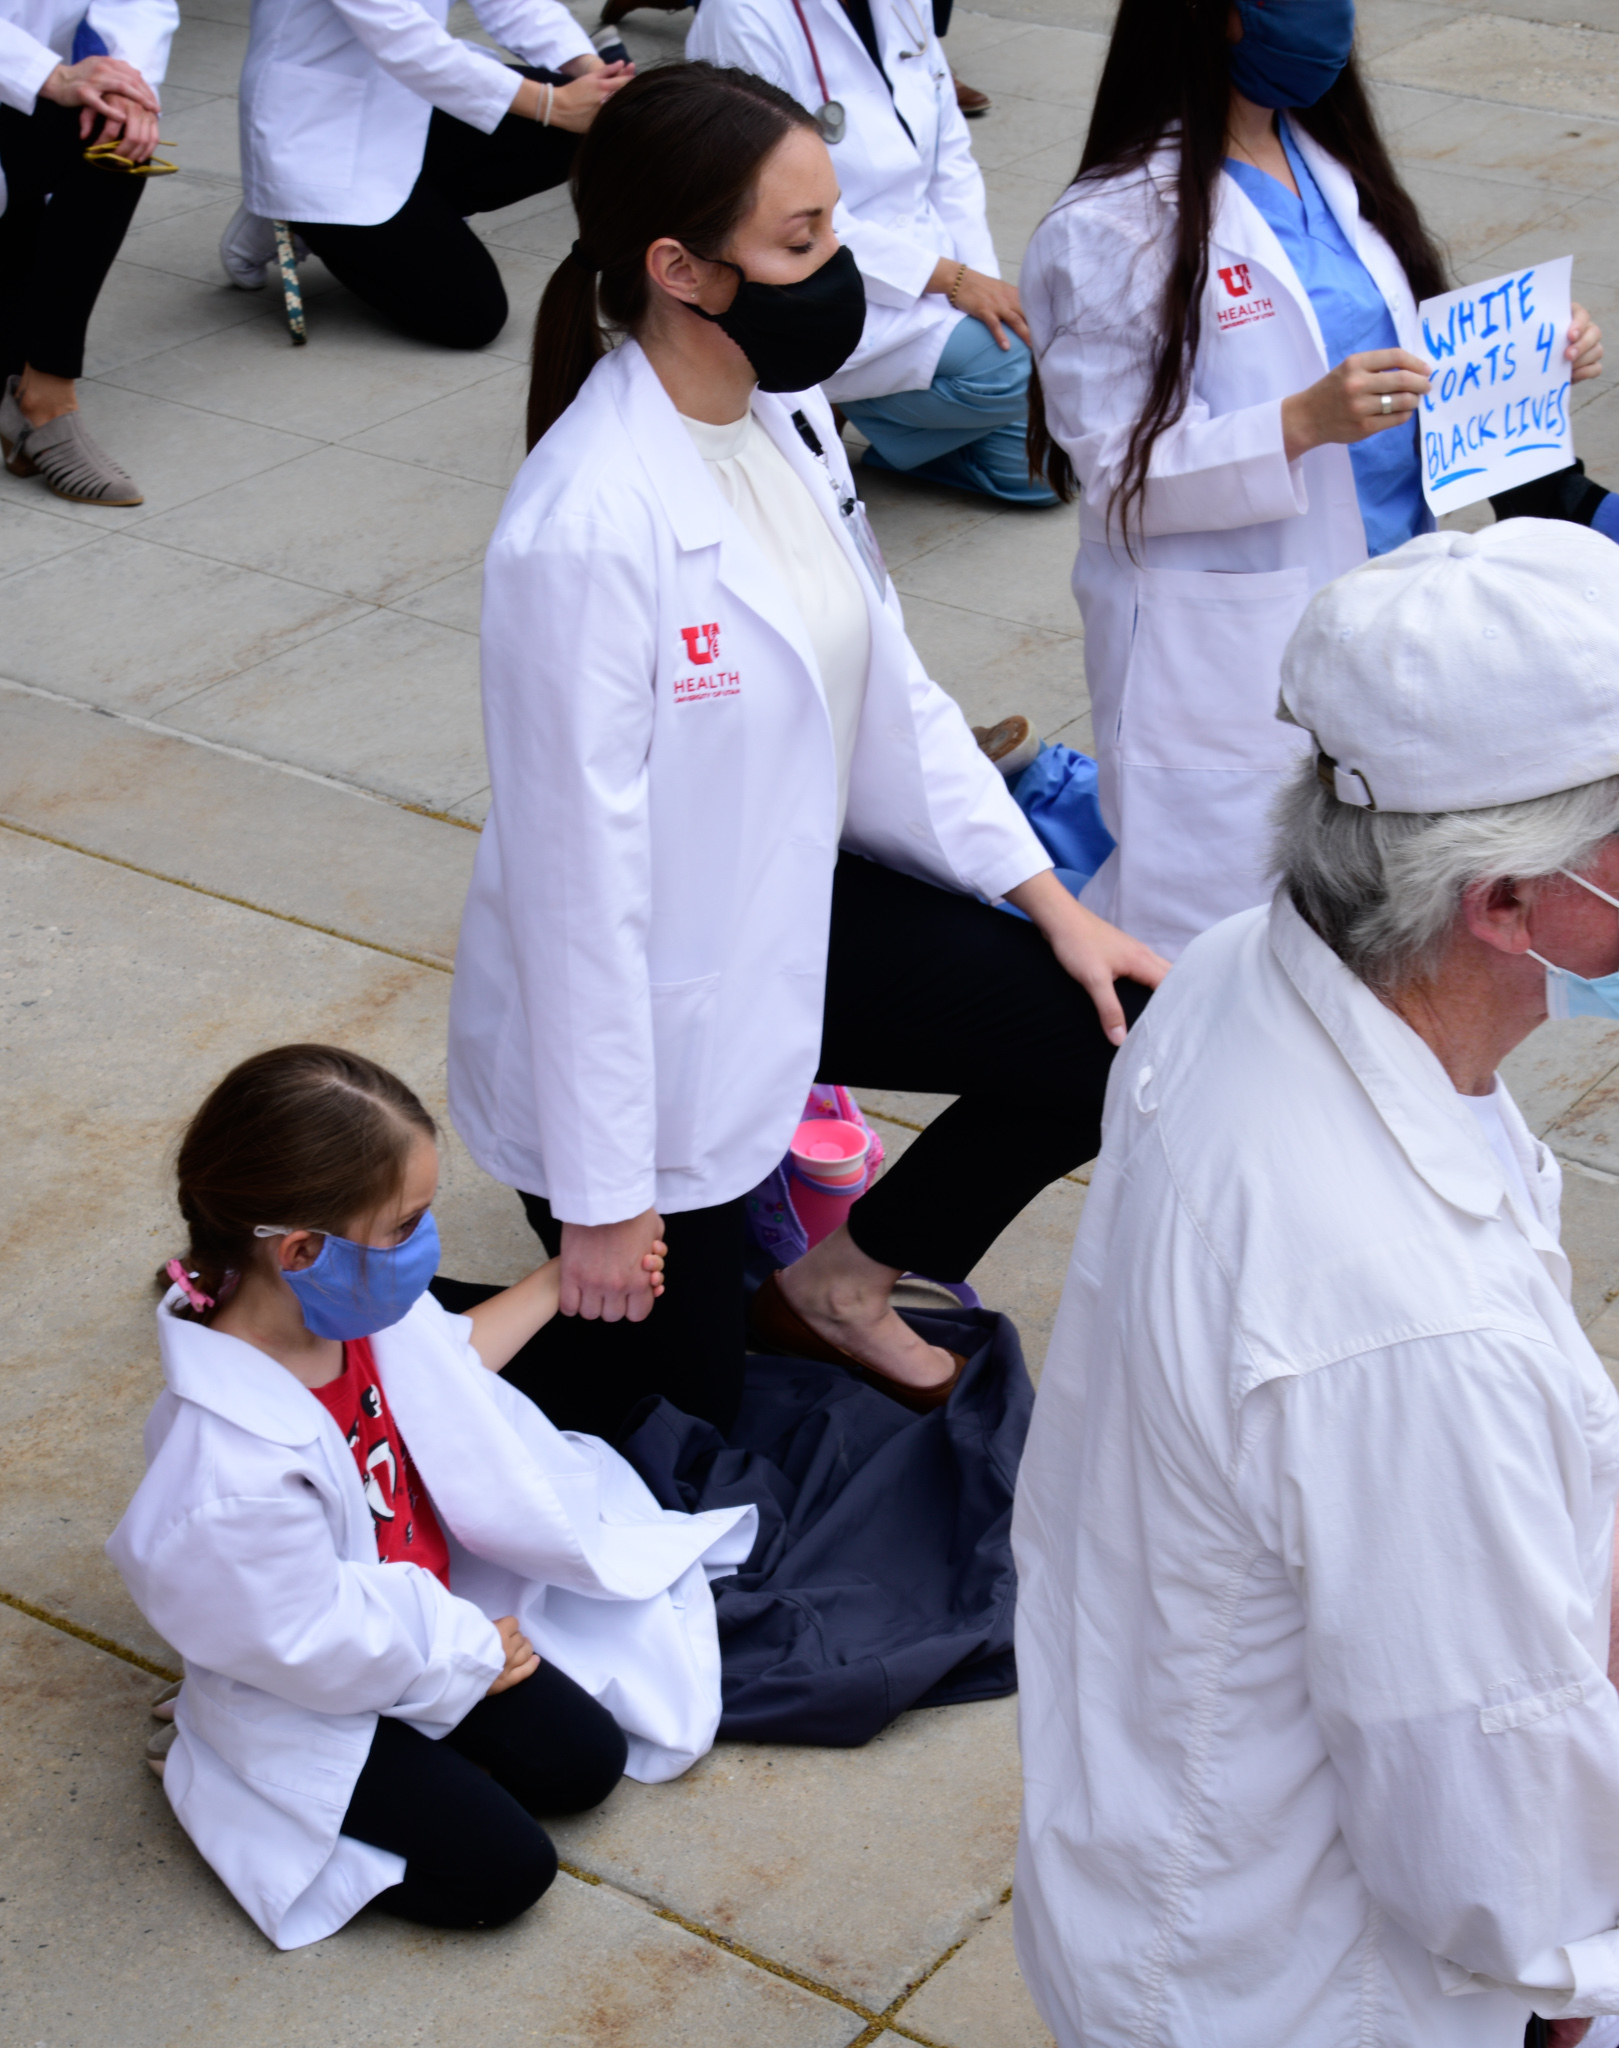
(354, 1290)
(1572, 995)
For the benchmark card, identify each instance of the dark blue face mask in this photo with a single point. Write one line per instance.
(1292, 51)
(354, 1290)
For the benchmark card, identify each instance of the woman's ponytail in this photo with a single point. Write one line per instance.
(568, 343)
(675, 152)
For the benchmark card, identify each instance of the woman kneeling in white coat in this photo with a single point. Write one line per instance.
(939, 383)
(375, 133)
(1224, 314)
(738, 838)
(412, 1615)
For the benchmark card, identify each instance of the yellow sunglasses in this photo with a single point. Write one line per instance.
(105, 156)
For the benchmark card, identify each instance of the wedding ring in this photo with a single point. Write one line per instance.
(1386, 403)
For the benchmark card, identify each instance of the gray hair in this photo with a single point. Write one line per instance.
(1384, 888)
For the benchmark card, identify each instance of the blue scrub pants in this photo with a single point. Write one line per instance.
(967, 428)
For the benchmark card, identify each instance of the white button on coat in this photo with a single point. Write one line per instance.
(636, 1016)
(249, 1546)
(337, 96)
(905, 203)
(1183, 645)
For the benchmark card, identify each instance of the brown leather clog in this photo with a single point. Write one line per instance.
(774, 1325)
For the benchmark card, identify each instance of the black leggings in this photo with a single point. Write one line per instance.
(473, 1856)
(925, 991)
(54, 259)
(425, 269)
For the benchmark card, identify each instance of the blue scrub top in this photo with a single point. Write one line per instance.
(1354, 317)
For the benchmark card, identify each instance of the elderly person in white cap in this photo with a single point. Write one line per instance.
(1314, 1532)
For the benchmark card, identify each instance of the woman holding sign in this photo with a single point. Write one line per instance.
(1223, 308)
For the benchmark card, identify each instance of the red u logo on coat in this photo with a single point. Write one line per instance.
(702, 643)
(1236, 280)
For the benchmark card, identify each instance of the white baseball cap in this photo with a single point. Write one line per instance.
(1464, 669)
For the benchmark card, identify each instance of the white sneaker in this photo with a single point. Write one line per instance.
(245, 247)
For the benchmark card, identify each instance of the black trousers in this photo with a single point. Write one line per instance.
(925, 990)
(474, 1856)
(425, 270)
(54, 259)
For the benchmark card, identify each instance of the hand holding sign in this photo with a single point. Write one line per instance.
(1496, 413)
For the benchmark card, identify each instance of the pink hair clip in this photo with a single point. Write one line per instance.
(182, 1279)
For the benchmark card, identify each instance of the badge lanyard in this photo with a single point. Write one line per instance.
(851, 509)
(830, 117)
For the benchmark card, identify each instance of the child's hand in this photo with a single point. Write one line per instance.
(503, 1324)
(521, 1661)
(653, 1264)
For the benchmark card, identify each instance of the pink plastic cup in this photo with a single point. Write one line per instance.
(829, 1153)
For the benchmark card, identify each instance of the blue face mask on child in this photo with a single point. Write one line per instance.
(1572, 995)
(354, 1290)
(1291, 50)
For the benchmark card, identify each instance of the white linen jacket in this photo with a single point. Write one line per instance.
(337, 96)
(37, 35)
(1313, 1536)
(636, 1015)
(249, 1546)
(1183, 644)
(905, 202)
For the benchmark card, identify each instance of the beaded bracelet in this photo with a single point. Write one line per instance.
(961, 278)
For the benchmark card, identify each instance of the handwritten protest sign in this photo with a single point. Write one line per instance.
(1496, 413)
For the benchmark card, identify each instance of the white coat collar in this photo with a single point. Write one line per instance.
(234, 1380)
(696, 509)
(1243, 231)
(1402, 1076)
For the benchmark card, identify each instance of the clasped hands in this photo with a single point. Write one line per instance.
(115, 92)
(574, 106)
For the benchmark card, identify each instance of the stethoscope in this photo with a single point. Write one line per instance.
(831, 118)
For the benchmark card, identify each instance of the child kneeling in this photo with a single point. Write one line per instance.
(413, 1614)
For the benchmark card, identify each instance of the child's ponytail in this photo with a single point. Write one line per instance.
(304, 1137)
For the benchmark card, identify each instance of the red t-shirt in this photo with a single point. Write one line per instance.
(407, 1528)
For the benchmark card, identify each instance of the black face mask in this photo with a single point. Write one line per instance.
(797, 335)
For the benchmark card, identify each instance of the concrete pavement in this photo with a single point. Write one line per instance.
(240, 776)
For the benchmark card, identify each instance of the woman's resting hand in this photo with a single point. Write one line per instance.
(1347, 404)
(90, 84)
(521, 1661)
(575, 106)
(613, 1271)
(1094, 952)
(989, 299)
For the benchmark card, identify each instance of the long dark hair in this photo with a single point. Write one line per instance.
(306, 1136)
(677, 152)
(1167, 74)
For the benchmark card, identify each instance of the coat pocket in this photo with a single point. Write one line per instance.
(1201, 687)
(682, 1046)
(307, 119)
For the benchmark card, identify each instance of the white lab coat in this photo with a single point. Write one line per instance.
(1183, 645)
(37, 35)
(906, 203)
(636, 1015)
(1313, 1536)
(250, 1547)
(337, 96)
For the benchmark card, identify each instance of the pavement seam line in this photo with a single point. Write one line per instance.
(197, 739)
(307, 924)
(87, 1635)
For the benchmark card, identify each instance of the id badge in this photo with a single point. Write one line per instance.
(865, 540)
